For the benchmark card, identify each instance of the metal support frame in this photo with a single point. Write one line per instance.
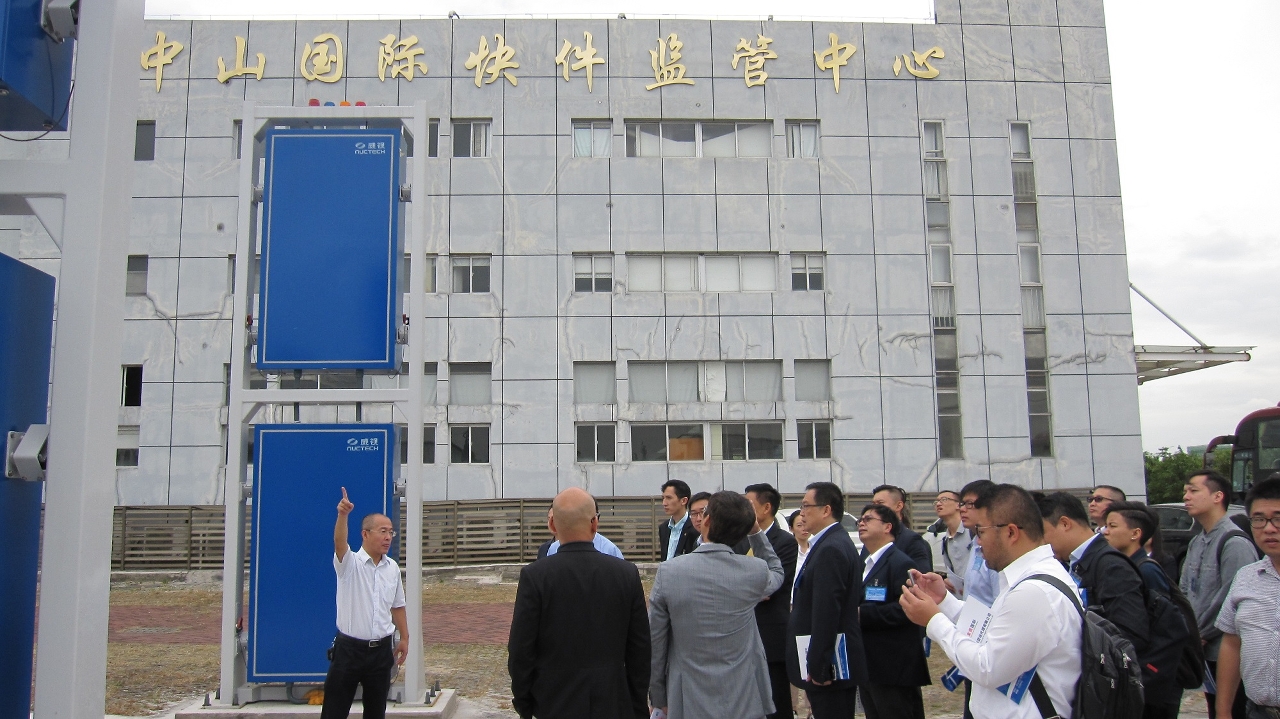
(245, 402)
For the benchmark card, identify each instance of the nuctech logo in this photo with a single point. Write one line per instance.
(363, 444)
(371, 148)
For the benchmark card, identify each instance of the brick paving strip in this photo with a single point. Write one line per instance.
(488, 623)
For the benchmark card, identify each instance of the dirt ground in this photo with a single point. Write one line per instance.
(163, 647)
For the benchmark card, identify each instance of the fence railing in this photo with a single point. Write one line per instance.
(454, 533)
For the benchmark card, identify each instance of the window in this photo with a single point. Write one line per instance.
(740, 273)
(433, 137)
(595, 443)
(428, 271)
(752, 440)
(1032, 291)
(698, 139)
(471, 138)
(666, 442)
(430, 372)
(940, 264)
(947, 378)
(135, 278)
(595, 383)
(1020, 140)
(802, 139)
(127, 445)
(131, 385)
(814, 440)
(237, 136)
(756, 381)
(709, 273)
(1038, 393)
(806, 271)
(470, 383)
(941, 291)
(471, 274)
(664, 382)
(144, 141)
(813, 380)
(932, 139)
(593, 273)
(428, 444)
(469, 444)
(592, 138)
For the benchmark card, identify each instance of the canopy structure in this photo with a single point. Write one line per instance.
(1158, 361)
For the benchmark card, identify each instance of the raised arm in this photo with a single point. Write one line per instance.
(340, 546)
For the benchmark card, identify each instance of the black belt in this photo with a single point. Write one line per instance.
(366, 643)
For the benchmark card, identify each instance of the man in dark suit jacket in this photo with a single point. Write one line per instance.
(675, 502)
(824, 604)
(908, 541)
(579, 646)
(774, 611)
(893, 641)
(1109, 579)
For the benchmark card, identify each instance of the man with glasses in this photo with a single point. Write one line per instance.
(697, 512)
(824, 605)
(1102, 497)
(980, 581)
(370, 611)
(1250, 617)
(950, 540)
(1034, 631)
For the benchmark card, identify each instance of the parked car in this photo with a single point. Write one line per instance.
(1178, 528)
(849, 523)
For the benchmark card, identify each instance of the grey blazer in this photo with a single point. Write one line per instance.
(708, 661)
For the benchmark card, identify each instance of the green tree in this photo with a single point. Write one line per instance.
(1168, 470)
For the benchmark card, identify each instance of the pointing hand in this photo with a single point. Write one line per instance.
(345, 506)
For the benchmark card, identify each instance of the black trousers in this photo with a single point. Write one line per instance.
(1160, 711)
(355, 663)
(781, 687)
(881, 701)
(837, 704)
(1237, 707)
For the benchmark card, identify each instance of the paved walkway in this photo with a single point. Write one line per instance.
(441, 624)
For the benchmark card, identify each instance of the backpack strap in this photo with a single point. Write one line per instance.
(1041, 695)
(1235, 532)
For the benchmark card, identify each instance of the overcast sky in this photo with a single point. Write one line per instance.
(1196, 95)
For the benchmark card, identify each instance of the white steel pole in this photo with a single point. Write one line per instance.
(71, 657)
(413, 676)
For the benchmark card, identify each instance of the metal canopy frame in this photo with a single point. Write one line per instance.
(245, 403)
(1159, 361)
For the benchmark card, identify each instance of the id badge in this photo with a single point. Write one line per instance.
(877, 594)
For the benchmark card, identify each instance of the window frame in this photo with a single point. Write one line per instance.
(471, 445)
(596, 442)
(485, 137)
(472, 262)
(127, 449)
(717, 441)
(698, 270)
(634, 143)
(666, 451)
(593, 126)
(815, 444)
(596, 275)
(798, 127)
(806, 259)
(137, 275)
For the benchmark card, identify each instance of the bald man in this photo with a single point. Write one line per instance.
(579, 643)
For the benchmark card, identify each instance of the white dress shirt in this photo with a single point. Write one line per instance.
(367, 593)
(1032, 625)
(873, 558)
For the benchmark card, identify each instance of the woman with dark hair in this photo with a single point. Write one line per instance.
(1129, 527)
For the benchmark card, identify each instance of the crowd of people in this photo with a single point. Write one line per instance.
(747, 619)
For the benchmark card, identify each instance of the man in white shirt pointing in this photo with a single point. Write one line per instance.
(370, 610)
(1033, 627)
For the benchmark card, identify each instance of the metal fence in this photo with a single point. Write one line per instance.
(455, 533)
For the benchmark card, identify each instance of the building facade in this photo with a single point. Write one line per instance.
(719, 251)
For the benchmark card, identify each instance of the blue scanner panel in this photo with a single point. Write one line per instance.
(299, 471)
(331, 247)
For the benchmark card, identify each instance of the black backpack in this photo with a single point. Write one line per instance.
(1237, 519)
(1110, 685)
(1173, 646)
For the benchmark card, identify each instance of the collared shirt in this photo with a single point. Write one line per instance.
(601, 543)
(1032, 625)
(813, 540)
(980, 581)
(1206, 584)
(677, 528)
(1078, 554)
(1252, 612)
(367, 593)
(873, 558)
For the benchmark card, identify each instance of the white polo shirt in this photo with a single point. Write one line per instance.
(367, 593)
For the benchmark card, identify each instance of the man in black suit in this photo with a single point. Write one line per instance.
(908, 541)
(893, 641)
(824, 604)
(773, 612)
(675, 502)
(579, 646)
(1107, 577)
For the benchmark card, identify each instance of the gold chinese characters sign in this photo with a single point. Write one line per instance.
(323, 60)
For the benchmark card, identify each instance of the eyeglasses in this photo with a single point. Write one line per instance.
(966, 505)
(697, 512)
(811, 506)
(940, 500)
(1260, 522)
(384, 532)
(977, 528)
(868, 518)
(1094, 499)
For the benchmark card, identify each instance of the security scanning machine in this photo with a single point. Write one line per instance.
(322, 394)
